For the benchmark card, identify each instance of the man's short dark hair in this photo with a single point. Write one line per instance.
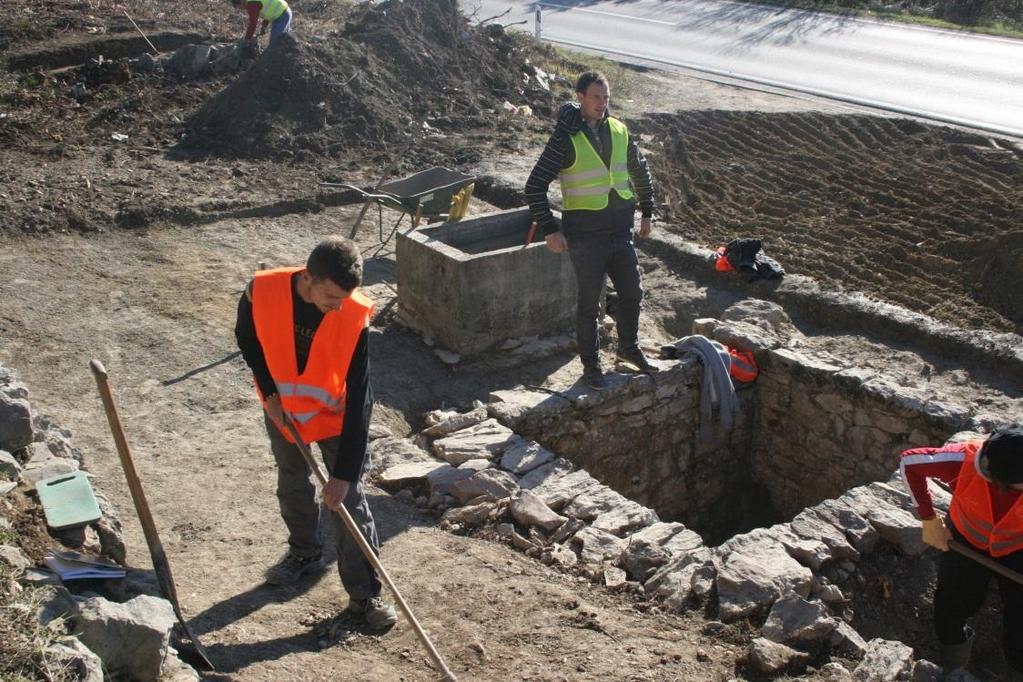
(337, 259)
(1001, 456)
(588, 79)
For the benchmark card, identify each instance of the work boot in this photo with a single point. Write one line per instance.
(955, 656)
(288, 570)
(635, 357)
(377, 614)
(593, 377)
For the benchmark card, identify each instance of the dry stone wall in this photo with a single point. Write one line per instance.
(821, 429)
(643, 438)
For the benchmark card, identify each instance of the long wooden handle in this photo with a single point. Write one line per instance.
(160, 564)
(138, 495)
(370, 555)
(986, 561)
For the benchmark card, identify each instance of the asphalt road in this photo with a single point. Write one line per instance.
(947, 76)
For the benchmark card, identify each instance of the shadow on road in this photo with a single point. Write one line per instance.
(787, 23)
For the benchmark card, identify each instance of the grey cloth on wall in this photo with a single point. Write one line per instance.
(718, 402)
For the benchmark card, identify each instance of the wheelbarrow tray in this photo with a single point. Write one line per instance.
(430, 190)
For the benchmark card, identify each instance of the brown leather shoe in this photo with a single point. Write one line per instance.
(636, 358)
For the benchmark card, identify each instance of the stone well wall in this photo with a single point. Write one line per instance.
(821, 430)
(642, 437)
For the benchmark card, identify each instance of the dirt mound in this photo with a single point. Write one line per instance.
(926, 217)
(397, 70)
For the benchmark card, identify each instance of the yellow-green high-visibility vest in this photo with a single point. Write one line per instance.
(272, 9)
(586, 183)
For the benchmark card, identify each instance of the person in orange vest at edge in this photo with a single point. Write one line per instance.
(603, 178)
(304, 333)
(986, 514)
(275, 14)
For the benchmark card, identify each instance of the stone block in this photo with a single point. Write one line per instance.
(525, 456)
(9, 466)
(15, 558)
(794, 619)
(529, 510)
(595, 546)
(754, 571)
(885, 661)
(469, 516)
(672, 583)
(767, 657)
(15, 422)
(412, 475)
(457, 422)
(545, 473)
(488, 439)
(130, 638)
(642, 557)
(72, 655)
(558, 491)
(493, 482)
(389, 451)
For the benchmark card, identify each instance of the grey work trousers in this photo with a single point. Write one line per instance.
(593, 256)
(303, 515)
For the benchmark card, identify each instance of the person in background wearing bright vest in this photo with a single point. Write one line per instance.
(594, 158)
(986, 514)
(304, 333)
(275, 13)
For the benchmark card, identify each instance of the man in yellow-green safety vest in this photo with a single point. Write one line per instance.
(603, 178)
(275, 14)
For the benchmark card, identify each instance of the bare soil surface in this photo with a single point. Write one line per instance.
(921, 216)
(121, 251)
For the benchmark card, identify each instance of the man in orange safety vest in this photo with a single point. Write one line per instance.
(304, 332)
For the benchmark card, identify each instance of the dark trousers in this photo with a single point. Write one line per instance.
(962, 587)
(296, 495)
(594, 256)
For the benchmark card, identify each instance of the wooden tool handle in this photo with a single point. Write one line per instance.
(370, 555)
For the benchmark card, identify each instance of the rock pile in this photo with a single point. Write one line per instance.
(121, 627)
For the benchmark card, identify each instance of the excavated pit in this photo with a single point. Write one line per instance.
(805, 432)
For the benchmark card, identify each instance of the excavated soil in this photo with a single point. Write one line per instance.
(399, 73)
(922, 216)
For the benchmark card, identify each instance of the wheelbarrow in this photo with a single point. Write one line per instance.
(435, 193)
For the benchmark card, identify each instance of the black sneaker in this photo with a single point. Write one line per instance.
(288, 570)
(593, 377)
(377, 614)
(636, 358)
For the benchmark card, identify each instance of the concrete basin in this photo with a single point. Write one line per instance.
(475, 283)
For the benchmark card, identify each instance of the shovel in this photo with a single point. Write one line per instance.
(370, 555)
(138, 496)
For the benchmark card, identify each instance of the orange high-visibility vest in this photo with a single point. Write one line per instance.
(972, 515)
(743, 366)
(315, 399)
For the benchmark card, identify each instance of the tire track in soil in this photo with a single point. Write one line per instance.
(926, 217)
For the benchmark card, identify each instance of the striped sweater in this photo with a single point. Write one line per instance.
(559, 154)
